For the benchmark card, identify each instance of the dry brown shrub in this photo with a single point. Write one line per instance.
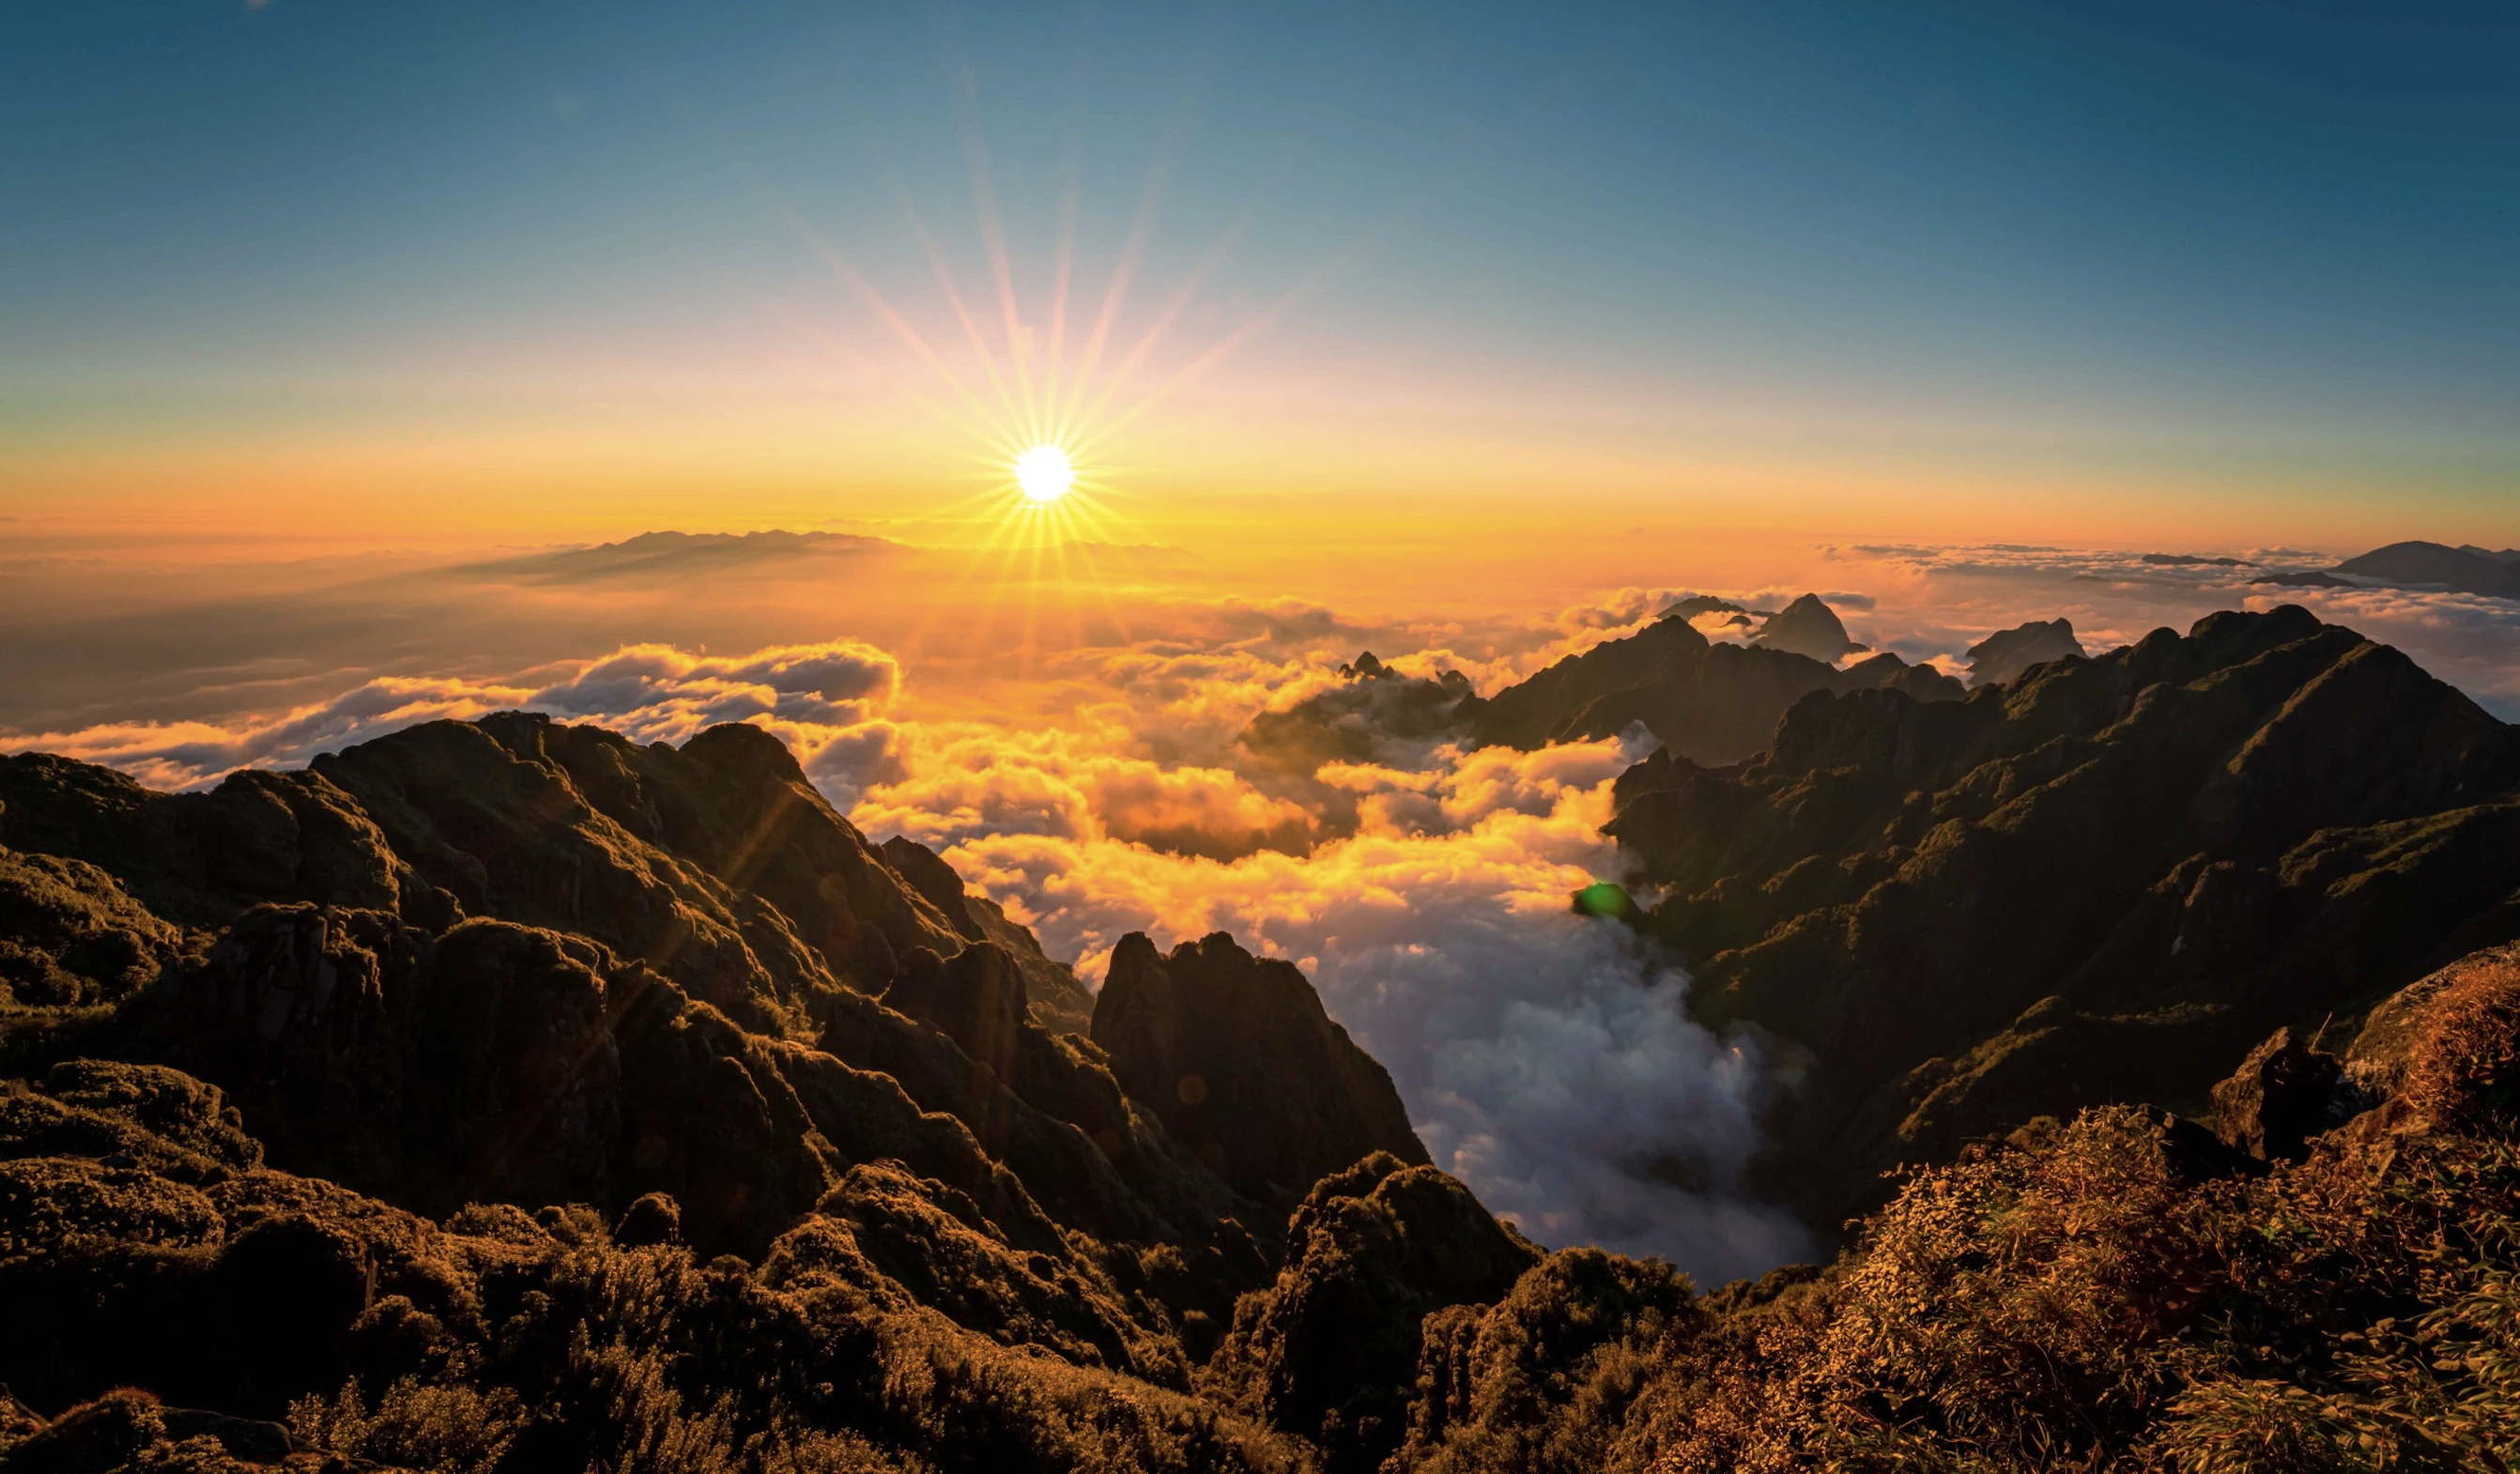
(2464, 1069)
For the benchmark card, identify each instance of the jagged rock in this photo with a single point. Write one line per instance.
(2006, 653)
(977, 998)
(661, 931)
(1234, 1055)
(1806, 626)
(1058, 1002)
(2281, 1097)
(1330, 1351)
(199, 859)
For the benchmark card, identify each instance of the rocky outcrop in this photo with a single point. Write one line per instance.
(2005, 655)
(1330, 1351)
(2283, 1094)
(2103, 880)
(199, 859)
(667, 985)
(1057, 1002)
(1234, 1055)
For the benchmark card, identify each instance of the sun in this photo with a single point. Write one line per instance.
(1044, 473)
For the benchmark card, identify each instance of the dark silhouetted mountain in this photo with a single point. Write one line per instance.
(2099, 883)
(1234, 1055)
(2194, 560)
(472, 969)
(2461, 570)
(1806, 626)
(2313, 578)
(2006, 653)
(1696, 605)
(1711, 702)
(1374, 704)
(145, 1243)
(653, 557)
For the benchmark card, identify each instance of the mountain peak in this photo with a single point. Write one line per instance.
(1809, 627)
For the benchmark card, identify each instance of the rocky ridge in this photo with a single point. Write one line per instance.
(2098, 881)
(1710, 701)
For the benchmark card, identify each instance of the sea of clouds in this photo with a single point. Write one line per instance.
(1544, 1056)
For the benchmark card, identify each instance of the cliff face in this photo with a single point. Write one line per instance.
(2100, 881)
(1235, 1057)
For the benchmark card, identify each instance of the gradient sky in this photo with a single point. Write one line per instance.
(2223, 274)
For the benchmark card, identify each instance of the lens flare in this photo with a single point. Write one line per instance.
(1044, 473)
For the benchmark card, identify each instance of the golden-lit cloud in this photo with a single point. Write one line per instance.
(1544, 1056)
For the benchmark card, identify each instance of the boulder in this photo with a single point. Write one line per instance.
(2283, 1094)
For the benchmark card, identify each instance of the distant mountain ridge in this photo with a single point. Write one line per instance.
(2464, 569)
(659, 557)
(2461, 570)
(653, 554)
(1714, 701)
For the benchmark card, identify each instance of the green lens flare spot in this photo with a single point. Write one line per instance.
(1601, 898)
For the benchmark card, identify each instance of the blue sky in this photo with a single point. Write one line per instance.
(2222, 233)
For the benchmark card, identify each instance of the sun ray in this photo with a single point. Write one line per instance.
(1178, 305)
(943, 271)
(984, 206)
